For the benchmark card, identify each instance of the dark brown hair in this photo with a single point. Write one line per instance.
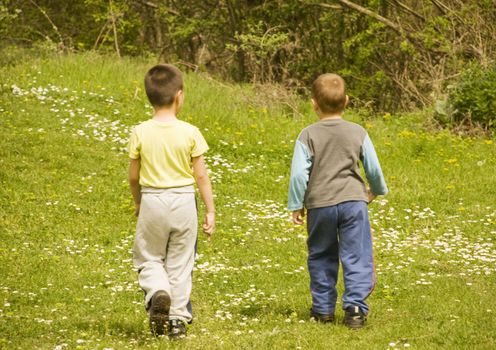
(329, 91)
(162, 82)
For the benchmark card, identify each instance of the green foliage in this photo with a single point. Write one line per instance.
(366, 82)
(472, 99)
(396, 55)
(8, 15)
(260, 45)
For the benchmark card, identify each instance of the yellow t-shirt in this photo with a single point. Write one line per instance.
(165, 150)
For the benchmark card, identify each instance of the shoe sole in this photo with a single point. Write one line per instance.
(354, 324)
(159, 313)
(321, 319)
(177, 332)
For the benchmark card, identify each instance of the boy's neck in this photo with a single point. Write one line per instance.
(330, 116)
(165, 114)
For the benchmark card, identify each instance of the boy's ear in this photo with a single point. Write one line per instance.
(347, 101)
(314, 104)
(179, 98)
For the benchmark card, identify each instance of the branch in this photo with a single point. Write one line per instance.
(149, 4)
(445, 10)
(440, 6)
(329, 6)
(100, 34)
(408, 9)
(156, 7)
(114, 28)
(413, 12)
(372, 14)
(61, 41)
(397, 28)
(408, 34)
(411, 90)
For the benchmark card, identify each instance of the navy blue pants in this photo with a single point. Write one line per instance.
(340, 233)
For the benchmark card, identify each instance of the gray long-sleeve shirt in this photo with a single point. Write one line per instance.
(325, 169)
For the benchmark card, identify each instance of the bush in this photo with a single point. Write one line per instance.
(472, 100)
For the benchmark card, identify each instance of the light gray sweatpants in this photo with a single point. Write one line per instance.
(164, 247)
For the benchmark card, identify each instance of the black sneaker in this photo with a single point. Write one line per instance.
(354, 318)
(177, 329)
(323, 318)
(159, 312)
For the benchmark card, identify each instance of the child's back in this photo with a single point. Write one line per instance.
(325, 179)
(166, 161)
(165, 150)
(336, 146)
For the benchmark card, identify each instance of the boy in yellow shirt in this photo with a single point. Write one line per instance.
(166, 161)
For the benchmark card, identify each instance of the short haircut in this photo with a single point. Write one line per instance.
(329, 91)
(162, 82)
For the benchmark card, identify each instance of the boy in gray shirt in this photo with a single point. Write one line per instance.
(325, 179)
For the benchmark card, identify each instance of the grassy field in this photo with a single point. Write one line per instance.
(66, 223)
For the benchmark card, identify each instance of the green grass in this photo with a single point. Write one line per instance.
(66, 223)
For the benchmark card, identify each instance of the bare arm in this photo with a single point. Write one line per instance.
(134, 170)
(205, 187)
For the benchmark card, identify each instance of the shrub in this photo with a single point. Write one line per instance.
(472, 101)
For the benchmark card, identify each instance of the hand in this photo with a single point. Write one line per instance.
(209, 224)
(136, 209)
(298, 216)
(371, 195)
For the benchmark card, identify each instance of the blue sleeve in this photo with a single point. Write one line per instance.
(372, 168)
(300, 172)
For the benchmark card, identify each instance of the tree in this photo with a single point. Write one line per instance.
(394, 54)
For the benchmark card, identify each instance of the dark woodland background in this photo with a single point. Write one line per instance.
(394, 55)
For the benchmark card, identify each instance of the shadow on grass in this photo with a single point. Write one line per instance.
(285, 311)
